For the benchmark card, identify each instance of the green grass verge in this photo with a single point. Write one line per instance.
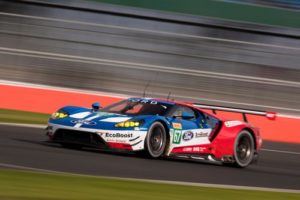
(14, 116)
(19, 185)
(219, 9)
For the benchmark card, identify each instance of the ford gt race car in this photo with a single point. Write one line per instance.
(159, 128)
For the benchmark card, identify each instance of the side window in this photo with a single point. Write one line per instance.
(189, 110)
(135, 109)
(210, 120)
(181, 109)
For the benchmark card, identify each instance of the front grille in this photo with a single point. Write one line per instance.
(79, 137)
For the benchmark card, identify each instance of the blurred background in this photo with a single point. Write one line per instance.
(232, 53)
(243, 54)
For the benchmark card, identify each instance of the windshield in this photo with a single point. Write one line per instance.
(139, 107)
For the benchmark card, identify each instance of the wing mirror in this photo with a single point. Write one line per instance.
(96, 106)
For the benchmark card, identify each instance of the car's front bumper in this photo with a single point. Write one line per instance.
(117, 139)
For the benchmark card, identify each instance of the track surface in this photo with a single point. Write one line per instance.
(28, 147)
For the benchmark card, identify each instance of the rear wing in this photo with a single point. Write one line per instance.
(244, 112)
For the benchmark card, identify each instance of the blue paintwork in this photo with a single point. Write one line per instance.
(98, 124)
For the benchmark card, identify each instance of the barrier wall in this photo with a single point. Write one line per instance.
(47, 100)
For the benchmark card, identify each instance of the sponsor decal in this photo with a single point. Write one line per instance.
(233, 123)
(176, 136)
(177, 125)
(199, 149)
(144, 101)
(187, 149)
(201, 134)
(187, 135)
(118, 135)
(194, 149)
(83, 121)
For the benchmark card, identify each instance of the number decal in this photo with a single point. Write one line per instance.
(176, 136)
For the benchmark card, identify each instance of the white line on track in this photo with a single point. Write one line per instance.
(39, 126)
(106, 94)
(148, 31)
(221, 186)
(148, 67)
(280, 151)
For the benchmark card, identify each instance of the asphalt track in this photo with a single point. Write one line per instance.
(111, 53)
(28, 147)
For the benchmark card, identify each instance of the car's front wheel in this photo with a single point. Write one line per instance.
(156, 140)
(244, 149)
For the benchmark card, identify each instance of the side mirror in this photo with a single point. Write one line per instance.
(187, 115)
(96, 106)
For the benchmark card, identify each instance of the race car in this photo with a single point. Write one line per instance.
(159, 128)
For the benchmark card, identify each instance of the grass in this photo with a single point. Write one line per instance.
(14, 116)
(20, 185)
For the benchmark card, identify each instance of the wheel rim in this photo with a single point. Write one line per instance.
(156, 140)
(244, 149)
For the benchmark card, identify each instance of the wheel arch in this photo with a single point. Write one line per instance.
(252, 134)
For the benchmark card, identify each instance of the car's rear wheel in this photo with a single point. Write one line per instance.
(243, 149)
(156, 140)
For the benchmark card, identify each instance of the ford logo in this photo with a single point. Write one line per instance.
(82, 121)
(188, 135)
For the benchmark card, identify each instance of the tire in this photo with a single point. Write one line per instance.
(156, 140)
(243, 149)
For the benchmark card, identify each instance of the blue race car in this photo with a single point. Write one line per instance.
(158, 128)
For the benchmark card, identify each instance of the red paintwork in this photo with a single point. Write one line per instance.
(223, 143)
(115, 145)
(195, 149)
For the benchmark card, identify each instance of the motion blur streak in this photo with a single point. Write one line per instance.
(150, 31)
(229, 66)
(148, 67)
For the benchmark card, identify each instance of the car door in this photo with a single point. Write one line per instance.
(188, 131)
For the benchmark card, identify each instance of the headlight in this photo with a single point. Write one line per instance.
(129, 123)
(59, 115)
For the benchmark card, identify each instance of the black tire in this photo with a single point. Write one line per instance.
(156, 140)
(243, 149)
